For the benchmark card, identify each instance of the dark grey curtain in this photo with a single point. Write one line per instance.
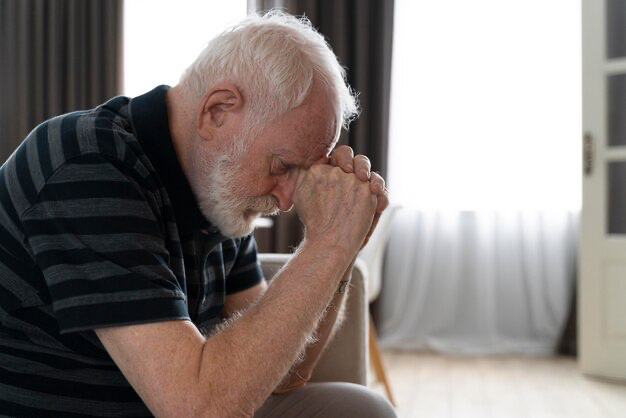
(56, 56)
(360, 34)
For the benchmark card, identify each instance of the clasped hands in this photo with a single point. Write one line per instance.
(341, 198)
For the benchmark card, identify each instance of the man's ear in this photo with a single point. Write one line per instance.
(222, 101)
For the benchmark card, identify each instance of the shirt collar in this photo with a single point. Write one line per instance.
(148, 114)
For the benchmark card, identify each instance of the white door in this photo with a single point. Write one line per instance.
(602, 287)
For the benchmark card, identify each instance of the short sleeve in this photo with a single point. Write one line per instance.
(246, 271)
(100, 247)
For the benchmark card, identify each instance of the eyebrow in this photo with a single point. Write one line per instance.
(287, 157)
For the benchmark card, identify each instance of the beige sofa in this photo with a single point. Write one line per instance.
(346, 357)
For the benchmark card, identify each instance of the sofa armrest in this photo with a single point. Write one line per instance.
(345, 358)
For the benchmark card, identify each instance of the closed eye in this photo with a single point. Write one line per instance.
(279, 167)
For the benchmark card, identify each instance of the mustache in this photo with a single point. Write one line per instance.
(267, 205)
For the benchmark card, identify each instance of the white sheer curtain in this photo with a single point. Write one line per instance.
(484, 158)
(478, 282)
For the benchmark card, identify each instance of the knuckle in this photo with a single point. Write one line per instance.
(336, 172)
(363, 158)
(343, 152)
(345, 148)
(378, 177)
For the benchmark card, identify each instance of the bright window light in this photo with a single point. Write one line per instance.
(486, 105)
(163, 37)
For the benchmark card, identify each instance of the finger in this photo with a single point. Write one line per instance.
(371, 231)
(362, 167)
(342, 157)
(299, 174)
(377, 183)
(383, 201)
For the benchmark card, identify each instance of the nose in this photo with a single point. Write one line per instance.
(283, 192)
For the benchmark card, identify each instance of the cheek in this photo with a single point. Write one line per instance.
(258, 180)
(251, 183)
(265, 186)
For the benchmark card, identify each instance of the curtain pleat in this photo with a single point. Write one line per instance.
(55, 57)
(483, 282)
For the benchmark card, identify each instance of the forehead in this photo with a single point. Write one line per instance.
(317, 139)
(313, 135)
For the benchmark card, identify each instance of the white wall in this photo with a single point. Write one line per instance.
(162, 37)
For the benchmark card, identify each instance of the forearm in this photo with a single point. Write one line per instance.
(249, 357)
(179, 372)
(302, 370)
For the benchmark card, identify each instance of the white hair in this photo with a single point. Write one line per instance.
(274, 60)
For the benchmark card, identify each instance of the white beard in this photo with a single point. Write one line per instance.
(220, 201)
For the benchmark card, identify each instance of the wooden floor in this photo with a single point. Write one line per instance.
(434, 386)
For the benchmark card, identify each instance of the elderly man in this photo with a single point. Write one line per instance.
(130, 284)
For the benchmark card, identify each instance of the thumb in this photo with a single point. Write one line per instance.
(299, 174)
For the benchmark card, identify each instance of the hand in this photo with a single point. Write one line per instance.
(334, 206)
(343, 157)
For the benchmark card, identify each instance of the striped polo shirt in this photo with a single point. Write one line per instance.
(98, 228)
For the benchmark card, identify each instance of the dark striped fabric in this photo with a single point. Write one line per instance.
(99, 227)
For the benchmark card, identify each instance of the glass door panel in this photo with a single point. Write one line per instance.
(616, 85)
(617, 197)
(615, 28)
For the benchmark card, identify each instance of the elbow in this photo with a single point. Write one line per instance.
(226, 400)
(214, 410)
(296, 382)
(288, 388)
